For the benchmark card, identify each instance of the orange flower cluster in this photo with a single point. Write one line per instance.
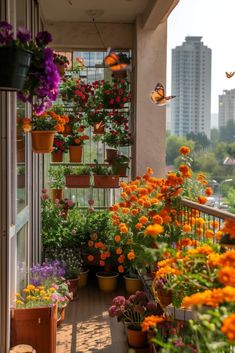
(151, 322)
(47, 121)
(229, 227)
(228, 327)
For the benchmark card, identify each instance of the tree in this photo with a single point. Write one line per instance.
(201, 140)
(173, 144)
(227, 132)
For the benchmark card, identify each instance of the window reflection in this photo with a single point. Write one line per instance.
(20, 145)
(22, 257)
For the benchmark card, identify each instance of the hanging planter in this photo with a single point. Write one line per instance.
(57, 156)
(36, 327)
(77, 181)
(75, 154)
(98, 128)
(111, 154)
(42, 141)
(14, 66)
(106, 181)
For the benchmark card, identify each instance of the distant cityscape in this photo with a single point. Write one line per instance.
(191, 83)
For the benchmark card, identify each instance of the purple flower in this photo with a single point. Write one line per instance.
(112, 311)
(6, 32)
(119, 300)
(43, 38)
(23, 35)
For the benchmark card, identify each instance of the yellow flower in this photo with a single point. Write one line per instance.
(26, 290)
(19, 302)
(30, 286)
(52, 289)
(42, 292)
(18, 295)
(28, 297)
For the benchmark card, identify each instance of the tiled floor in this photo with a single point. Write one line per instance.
(88, 328)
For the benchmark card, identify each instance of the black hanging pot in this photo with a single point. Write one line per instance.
(14, 66)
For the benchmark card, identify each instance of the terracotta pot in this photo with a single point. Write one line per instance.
(107, 281)
(111, 154)
(136, 338)
(77, 181)
(57, 156)
(83, 277)
(56, 194)
(132, 284)
(36, 327)
(21, 181)
(20, 150)
(120, 169)
(98, 128)
(67, 130)
(106, 181)
(42, 141)
(75, 154)
(73, 287)
(164, 296)
(61, 69)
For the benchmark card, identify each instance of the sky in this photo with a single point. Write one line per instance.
(214, 20)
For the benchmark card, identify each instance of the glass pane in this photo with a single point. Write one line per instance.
(22, 257)
(20, 145)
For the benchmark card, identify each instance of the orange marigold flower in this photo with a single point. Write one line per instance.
(103, 256)
(228, 327)
(120, 269)
(227, 259)
(138, 225)
(27, 127)
(153, 229)
(90, 258)
(149, 171)
(90, 243)
(184, 169)
(124, 195)
(226, 275)
(93, 236)
(115, 207)
(143, 220)
(214, 224)
(202, 200)
(135, 211)
(125, 210)
(123, 228)
(186, 228)
(184, 150)
(229, 227)
(151, 322)
(209, 233)
(131, 255)
(118, 251)
(117, 238)
(121, 259)
(157, 219)
(208, 191)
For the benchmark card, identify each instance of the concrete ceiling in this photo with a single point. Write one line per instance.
(115, 11)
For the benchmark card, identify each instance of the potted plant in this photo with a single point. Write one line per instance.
(132, 312)
(117, 135)
(21, 177)
(43, 128)
(56, 182)
(61, 63)
(75, 91)
(77, 177)
(103, 177)
(60, 146)
(96, 118)
(120, 165)
(34, 318)
(76, 142)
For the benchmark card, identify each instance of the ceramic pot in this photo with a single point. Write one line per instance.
(57, 156)
(42, 141)
(132, 284)
(75, 154)
(107, 281)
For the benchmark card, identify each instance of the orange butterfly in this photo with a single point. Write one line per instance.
(158, 95)
(112, 61)
(230, 74)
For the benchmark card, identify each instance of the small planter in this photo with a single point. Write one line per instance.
(56, 194)
(83, 277)
(77, 181)
(132, 284)
(14, 66)
(136, 338)
(107, 281)
(21, 181)
(42, 141)
(111, 154)
(120, 169)
(73, 287)
(106, 181)
(75, 154)
(98, 128)
(57, 157)
(36, 327)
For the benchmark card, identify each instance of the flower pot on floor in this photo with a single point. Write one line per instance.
(106, 181)
(36, 327)
(98, 128)
(136, 338)
(107, 281)
(132, 284)
(73, 287)
(56, 194)
(14, 66)
(82, 279)
(77, 181)
(75, 154)
(57, 156)
(42, 141)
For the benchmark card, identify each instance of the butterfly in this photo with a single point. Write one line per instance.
(230, 74)
(158, 95)
(112, 60)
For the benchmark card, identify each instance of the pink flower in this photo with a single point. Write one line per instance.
(44, 191)
(70, 203)
(111, 101)
(44, 197)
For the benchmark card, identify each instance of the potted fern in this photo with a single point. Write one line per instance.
(77, 177)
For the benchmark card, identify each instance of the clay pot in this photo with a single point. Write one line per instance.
(107, 281)
(106, 181)
(132, 284)
(57, 156)
(42, 141)
(75, 154)
(136, 338)
(56, 194)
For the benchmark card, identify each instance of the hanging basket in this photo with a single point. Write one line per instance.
(77, 181)
(106, 181)
(98, 128)
(111, 154)
(14, 66)
(75, 154)
(42, 141)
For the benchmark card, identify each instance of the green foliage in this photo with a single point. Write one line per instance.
(101, 170)
(230, 200)
(201, 140)
(227, 132)
(172, 147)
(56, 177)
(80, 170)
